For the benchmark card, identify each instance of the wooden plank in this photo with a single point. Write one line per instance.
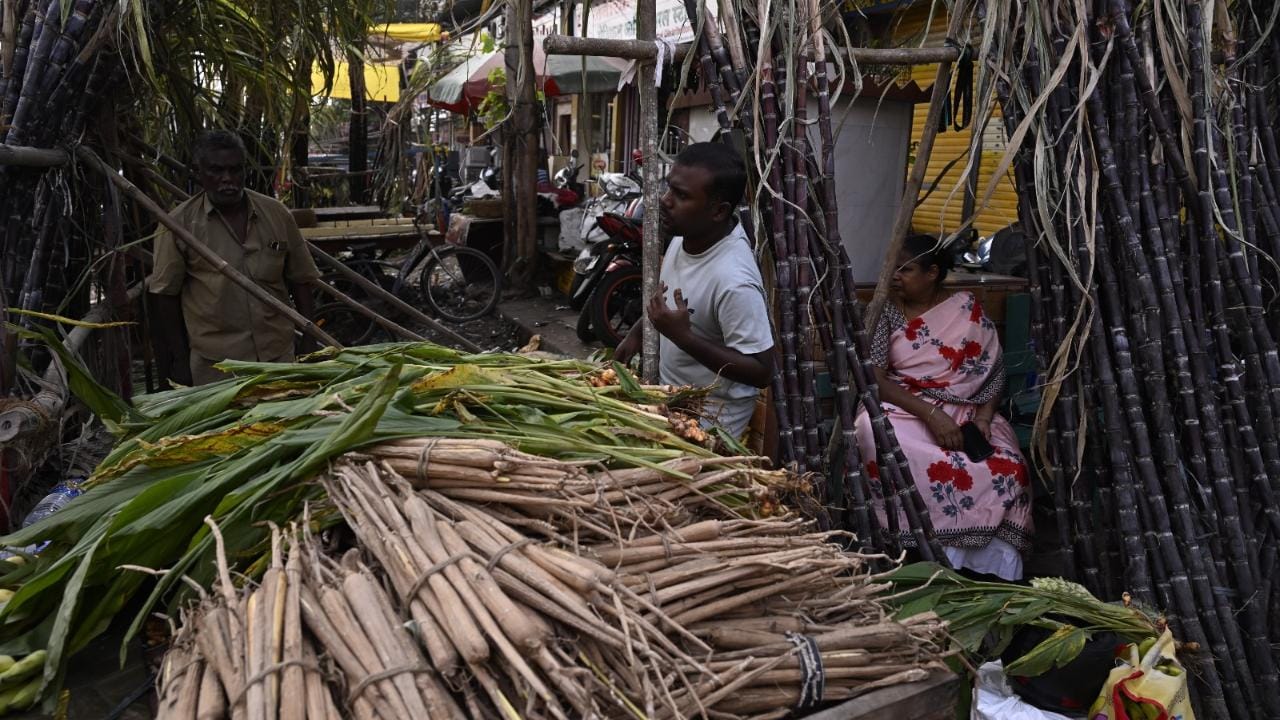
(379, 242)
(353, 212)
(932, 699)
(359, 230)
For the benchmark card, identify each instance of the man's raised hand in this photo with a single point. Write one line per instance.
(672, 323)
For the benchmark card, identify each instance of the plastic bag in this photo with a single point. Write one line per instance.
(1147, 687)
(995, 700)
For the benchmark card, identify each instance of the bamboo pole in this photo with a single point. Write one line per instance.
(182, 234)
(902, 221)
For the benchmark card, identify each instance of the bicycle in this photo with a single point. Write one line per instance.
(455, 282)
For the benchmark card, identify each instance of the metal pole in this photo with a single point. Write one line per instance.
(646, 31)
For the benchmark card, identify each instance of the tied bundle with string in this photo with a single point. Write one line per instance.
(1142, 142)
(487, 582)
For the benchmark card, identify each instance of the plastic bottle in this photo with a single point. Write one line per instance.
(57, 499)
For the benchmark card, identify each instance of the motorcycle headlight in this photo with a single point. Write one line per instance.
(582, 266)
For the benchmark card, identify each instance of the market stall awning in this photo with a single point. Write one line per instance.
(381, 82)
(410, 32)
(466, 85)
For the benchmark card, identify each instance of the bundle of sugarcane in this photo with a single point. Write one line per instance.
(528, 578)
(818, 316)
(245, 451)
(597, 609)
(241, 653)
(1146, 165)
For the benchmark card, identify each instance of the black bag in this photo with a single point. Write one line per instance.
(1070, 689)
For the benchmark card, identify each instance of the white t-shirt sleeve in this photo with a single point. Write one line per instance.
(744, 319)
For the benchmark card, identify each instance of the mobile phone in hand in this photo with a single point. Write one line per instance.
(976, 445)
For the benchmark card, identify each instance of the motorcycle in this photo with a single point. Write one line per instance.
(1002, 253)
(610, 289)
(579, 227)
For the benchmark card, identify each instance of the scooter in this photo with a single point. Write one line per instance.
(611, 284)
(579, 227)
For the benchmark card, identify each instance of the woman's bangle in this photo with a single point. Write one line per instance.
(929, 417)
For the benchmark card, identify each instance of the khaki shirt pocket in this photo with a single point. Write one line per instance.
(267, 265)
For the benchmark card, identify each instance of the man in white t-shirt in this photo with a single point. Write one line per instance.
(718, 332)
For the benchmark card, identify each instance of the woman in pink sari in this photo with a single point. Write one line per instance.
(938, 363)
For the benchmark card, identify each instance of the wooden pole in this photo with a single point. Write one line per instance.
(651, 263)
(510, 229)
(358, 132)
(32, 157)
(186, 238)
(641, 50)
(377, 291)
(523, 132)
(902, 221)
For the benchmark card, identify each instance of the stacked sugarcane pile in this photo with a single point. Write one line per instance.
(504, 584)
(1148, 178)
(242, 652)
(818, 318)
(56, 60)
(616, 462)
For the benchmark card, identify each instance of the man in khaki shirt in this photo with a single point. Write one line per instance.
(254, 234)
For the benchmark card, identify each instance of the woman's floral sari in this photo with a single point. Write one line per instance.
(950, 356)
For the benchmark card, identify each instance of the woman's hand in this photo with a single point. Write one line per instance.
(984, 424)
(945, 430)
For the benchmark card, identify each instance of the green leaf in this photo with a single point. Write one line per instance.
(1034, 608)
(62, 624)
(1055, 651)
(104, 403)
(918, 603)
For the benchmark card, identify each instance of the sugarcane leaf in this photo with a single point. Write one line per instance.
(630, 386)
(970, 636)
(54, 668)
(921, 573)
(356, 428)
(917, 603)
(104, 403)
(459, 376)
(68, 321)
(186, 449)
(1057, 650)
(1024, 614)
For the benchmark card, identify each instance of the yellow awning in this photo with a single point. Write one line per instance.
(381, 82)
(410, 32)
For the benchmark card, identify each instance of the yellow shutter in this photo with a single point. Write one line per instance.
(941, 212)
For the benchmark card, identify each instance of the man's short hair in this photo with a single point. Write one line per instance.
(213, 141)
(728, 172)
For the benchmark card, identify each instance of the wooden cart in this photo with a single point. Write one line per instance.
(933, 699)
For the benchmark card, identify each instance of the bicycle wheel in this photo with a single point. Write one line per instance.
(378, 272)
(345, 325)
(460, 283)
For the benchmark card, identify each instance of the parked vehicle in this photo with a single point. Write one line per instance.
(618, 193)
(610, 289)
